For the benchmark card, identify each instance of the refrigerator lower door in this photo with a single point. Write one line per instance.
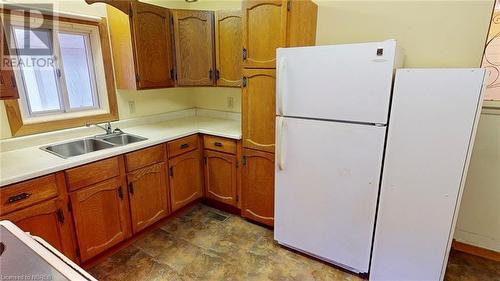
(327, 182)
(349, 82)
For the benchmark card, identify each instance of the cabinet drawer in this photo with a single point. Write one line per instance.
(27, 193)
(145, 157)
(219, 144)
(92, 173)
(183, 145)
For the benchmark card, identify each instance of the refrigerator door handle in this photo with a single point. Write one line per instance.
(280, 86)
(279, 143)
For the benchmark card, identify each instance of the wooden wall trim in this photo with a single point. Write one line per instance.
(17, 126)
(475, 250)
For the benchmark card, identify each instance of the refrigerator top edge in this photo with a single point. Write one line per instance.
(351, 82)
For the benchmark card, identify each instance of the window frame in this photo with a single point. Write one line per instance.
(19, 121)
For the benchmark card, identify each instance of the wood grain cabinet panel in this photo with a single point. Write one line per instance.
(145, 157)
(194, 47)
(185, 180)
(228, 36)
(264, 30)
(27, 193)
(271, 24)
(182, 145)
(48, 220)
(8, 86)
(220, 177)
(152, 45)
(219, 144)
(92, 173)
(148, 193)
(259, 109)
(141, 42)
(101, 216)
(258, 186)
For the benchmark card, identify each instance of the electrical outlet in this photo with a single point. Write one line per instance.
(131, 106)
(230, 102)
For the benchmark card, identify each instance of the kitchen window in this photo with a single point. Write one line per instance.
(69, 81)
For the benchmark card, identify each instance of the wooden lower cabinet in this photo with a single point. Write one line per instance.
(258, 186)
(148, 193)
(48, 220)
(185, 180)
(221, 177)
(100, 213)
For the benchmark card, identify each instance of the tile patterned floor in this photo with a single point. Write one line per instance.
(197, 246)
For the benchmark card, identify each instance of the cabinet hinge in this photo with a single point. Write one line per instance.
(244, 82)
(130, 11)
(70, 207)
(288, 5)
(120, 192)
(60, 216)
(77, 252)
(172, 20)
(244, 54)
(244, 160)
(171, 172)
(131, 188)
(205, 159)
(137, 78)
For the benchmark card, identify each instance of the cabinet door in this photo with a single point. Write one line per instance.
(148, 193)
(100, 215)
(8, 87)
(194, 47)
(259, 110)
(228, 33)
(48, 220)
(185, 179)
(258, 186)
(264, 30)
(152, 39)
(220, 177)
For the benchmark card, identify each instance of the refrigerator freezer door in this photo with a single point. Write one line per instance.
(431, 132)
(327, 181)
(339, 82)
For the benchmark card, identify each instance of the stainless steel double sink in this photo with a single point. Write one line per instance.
(88, 145)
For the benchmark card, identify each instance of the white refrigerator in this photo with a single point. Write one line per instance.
(331, 116)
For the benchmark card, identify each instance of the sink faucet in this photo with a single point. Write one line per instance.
(107, 127)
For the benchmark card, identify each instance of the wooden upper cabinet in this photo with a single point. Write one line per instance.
(194, 47)
(152, 45)
(141, 41)
(220, 177)
(228, 36)
(264, 30)
(258, 186)
(101, 216)
(8, 86)
(259, 110)
(185, 179)
(271, 24)
(148, 195)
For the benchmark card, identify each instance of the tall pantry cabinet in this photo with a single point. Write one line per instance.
(267, 25)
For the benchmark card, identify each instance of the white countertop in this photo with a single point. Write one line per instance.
(30, 162)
